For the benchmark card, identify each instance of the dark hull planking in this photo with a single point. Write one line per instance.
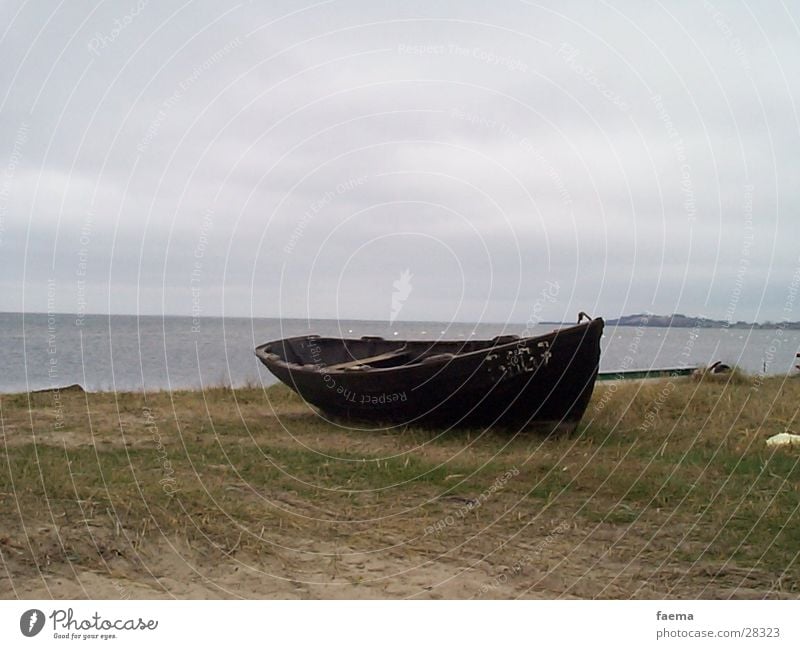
(542, 381)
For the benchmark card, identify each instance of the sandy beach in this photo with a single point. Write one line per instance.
(667, 490)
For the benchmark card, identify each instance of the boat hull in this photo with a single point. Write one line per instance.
(541, 381)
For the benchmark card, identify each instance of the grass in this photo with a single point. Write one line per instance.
(680, 466)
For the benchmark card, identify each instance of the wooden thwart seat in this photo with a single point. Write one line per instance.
(366, 361)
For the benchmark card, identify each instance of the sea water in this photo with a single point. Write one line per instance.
(124, 353)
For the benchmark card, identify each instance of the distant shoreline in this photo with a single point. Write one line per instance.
(691, 322)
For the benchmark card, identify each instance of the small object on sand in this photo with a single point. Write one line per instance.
(74, 387)
(783, 439)
(715, 368)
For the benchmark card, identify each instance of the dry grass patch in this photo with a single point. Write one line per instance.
(667, 481)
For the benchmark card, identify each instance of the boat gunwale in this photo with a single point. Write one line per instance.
(319, 369)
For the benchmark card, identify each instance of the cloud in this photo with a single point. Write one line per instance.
(629, 153)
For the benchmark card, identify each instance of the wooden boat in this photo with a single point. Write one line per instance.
(542, 381)
(641, 375)
(664, 373)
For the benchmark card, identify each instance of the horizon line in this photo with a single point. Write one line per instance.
(467, 322)
(260, 317)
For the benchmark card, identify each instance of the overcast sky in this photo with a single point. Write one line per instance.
(297, 158)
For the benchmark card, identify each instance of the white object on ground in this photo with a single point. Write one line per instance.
(783, 439)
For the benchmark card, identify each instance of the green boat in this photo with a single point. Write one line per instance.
(638, 375)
